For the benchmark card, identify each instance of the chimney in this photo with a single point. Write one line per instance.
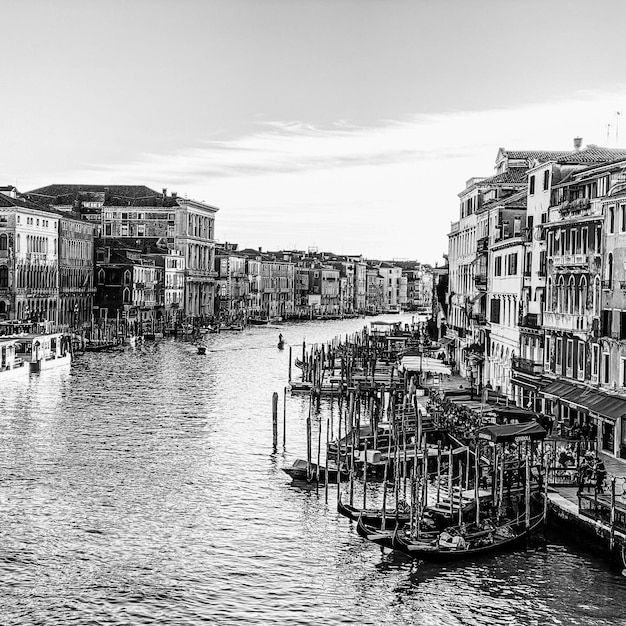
(164, 193)
(578, 141)
(174, 195)
(260, 249)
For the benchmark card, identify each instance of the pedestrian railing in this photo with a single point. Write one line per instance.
(603, 508)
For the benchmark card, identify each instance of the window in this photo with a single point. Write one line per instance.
(4, 242)
(622, 369)
(141, 230)
(609, 271)
(570, 354)
(4, 277)
(595, 359)
(107, 230)
(622, 208)
(498, 266)
(607, 319)
(606, 360)
(611, 219)
(512, 264)
(124, 230)
(532, 184)
(546, 180)
(580, 367)
(495, 311)
(559, 353)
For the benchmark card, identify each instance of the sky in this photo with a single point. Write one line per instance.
(345, 125)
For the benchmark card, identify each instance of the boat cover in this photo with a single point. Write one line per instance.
(530, 431)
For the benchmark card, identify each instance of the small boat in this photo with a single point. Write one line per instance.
(201, 349)
(281, 345)
(373, 517)
(235, 327)
(451, 545)
(258, 321)
(298, 471)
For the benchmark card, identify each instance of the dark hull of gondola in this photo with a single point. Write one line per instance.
(426, 552)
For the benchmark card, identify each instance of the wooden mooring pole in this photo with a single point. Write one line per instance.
(275, 420)
(285, 418)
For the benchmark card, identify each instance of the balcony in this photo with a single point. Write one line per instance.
(571, 260)
(479, 318)
(482, 245)
(454, 227)
(531, 320)
(527, 366)
(566, 321)
(480, 280)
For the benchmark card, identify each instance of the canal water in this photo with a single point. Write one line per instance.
(139, 487)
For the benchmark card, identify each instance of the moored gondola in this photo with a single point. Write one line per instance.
(373, 517)
(381, 537)
(453, 545)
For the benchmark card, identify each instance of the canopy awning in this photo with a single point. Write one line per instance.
(587, 399)
(531, 431)
(444, 341)
(424, 364)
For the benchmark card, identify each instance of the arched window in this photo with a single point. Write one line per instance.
(596, 296)
(4, 242)
(4, 277)
(582, 295)
(101, 277)
(560, 295)
(17, 243)
(127, 277)
(609, 271)
(572, 296)
(611, 219)
(126, 296)
(549, 294)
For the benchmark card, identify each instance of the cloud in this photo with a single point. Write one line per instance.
(390, 188)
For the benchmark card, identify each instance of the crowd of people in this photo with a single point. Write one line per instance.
(461, 422)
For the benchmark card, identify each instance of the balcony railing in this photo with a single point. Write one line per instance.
(571, 260)
(531, 320)
(527, 366)
(566, 321)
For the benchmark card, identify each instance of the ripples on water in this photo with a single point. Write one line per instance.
(140, 487)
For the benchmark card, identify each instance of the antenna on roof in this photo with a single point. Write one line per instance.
(608, 130)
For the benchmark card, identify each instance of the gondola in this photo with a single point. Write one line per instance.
(506, 536)
(281, 345)
(371, 533)
(385, 538)
(258, 321)
(373, 517)
(201, 349)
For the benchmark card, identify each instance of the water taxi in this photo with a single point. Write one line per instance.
(43, 351)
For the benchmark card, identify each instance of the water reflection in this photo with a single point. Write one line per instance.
(141, 487)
